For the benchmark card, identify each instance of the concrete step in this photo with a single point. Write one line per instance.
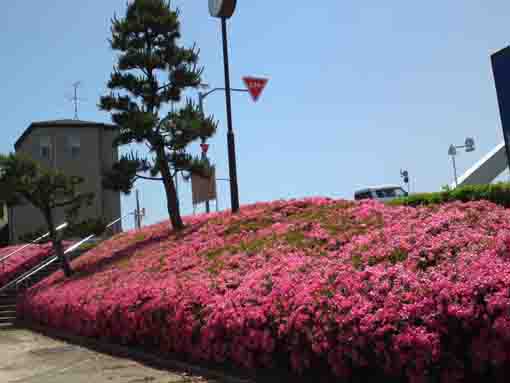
(7, 320)
(8, 301)
(7, 296)
(7, 326)
(11, 311)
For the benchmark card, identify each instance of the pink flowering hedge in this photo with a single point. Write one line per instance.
(22, 261)
(418, 294)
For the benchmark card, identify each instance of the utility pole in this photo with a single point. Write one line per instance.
(138, 219)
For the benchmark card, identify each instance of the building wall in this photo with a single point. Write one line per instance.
(89, 163)
(4, 217)
(111, 199)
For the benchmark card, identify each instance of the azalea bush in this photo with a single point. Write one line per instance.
(22, 261)
(417, 294)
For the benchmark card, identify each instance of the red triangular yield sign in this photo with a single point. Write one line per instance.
(255, 85)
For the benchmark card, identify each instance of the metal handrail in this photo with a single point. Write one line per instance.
(16, 282)
(78, 244)
(2, 259)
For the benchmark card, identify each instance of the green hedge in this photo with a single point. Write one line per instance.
(498, 193)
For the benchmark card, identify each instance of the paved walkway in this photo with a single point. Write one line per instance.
(27, 357)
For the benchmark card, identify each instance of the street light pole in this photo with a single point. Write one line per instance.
(469, 146)
(234, 191)
(455, 171)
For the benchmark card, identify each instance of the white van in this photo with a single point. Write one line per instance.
(383, 193)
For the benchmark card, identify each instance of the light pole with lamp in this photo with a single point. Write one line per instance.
(224, 9)
(469, 146)
(405, 177)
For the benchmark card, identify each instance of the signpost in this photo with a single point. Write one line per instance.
(255, 86)
(203, 189)
(205, 148)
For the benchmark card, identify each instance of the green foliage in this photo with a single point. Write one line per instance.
(498, 193)
(73, 231)
(397, 256)
(96, 226)
(24, 181)
(152, 71)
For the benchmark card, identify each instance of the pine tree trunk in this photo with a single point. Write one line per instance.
(171, 194)
(57, 246)
(59, 250)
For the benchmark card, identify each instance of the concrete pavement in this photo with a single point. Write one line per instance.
(28, 357)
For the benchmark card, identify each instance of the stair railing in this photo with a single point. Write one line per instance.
(4, 258)
(29, 274)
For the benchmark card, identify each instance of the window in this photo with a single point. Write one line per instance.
(363, 195)
(381, 193)
(74, 146)
(45, 147)
(390, 193)
(400, 193)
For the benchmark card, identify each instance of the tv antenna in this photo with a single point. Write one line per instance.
(75, 99)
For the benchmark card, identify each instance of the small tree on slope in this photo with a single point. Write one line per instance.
(23, 181)
(152, 71)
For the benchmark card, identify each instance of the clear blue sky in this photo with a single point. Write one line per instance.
(358, 89)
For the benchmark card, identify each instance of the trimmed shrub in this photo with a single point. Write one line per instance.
(497, 193)
(416, 294)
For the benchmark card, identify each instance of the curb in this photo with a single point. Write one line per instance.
(137, 355)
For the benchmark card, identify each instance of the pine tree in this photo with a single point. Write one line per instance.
(152, 71)
(24, 181)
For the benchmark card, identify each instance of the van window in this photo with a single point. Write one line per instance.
(363, 195)
(390, 193)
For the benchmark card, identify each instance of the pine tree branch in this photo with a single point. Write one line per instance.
(164, 86)
(149, 178)
(68, 202)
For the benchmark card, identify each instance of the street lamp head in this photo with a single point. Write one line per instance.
(204, 86)
(470, 144)
(222, 8)
(452, 150)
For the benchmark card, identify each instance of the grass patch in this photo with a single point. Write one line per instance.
(398, 256)
(249, 225)
(296, 239)
(357, 262)
(256, 245)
